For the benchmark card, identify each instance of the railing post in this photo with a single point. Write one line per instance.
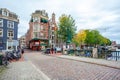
(105, 56)
(116, 56)
(119, 55)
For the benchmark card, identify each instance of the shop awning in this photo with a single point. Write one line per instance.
(43, 44)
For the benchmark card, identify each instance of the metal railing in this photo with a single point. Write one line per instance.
(113, 55)
(104, 54)
(85, 53)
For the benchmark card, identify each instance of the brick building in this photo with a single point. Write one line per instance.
(38, 35)
(22, 41)
(52, 32)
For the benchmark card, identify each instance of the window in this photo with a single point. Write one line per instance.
(36, 19)
(41, 34)
(44, 28)
(36, 35)
(10, 33)
(41, 27)
(36, 27)
(4, 13)
(1, 23)
(10, 24)
(1, 32)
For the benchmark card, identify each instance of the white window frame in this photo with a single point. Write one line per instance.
(1, 31)
(1, 22)
(10, 34)
(36, 27)
(10, 24)
(5, 13)
(36, 19)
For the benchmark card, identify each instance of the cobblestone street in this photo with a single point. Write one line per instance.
(22, 71)
(64, 69)
(37, 66)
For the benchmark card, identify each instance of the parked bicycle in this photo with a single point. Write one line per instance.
(5, 60)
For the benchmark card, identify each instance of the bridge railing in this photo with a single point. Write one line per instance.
(85, 53)
(104, 54)
(113, 55)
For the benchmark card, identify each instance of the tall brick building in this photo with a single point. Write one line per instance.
(52, 31)
(38, 35)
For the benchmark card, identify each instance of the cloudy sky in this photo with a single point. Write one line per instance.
(103, 15)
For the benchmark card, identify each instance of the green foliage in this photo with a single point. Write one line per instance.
(79, 38)
(66, 28)
(93, 37)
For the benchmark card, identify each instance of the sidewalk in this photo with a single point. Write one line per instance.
(22, 70)
(102, 62)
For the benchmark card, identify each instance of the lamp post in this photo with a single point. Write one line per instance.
(68, 38)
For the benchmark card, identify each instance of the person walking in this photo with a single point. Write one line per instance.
(22, 50)
(55, 50)
(52, 50)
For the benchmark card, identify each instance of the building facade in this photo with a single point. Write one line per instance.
(8, 29)
(38, 30)
(52, 32)
(38, 35)
(22, 41)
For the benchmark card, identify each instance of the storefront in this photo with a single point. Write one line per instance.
(12, 44)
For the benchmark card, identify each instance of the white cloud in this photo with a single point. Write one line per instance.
(103, 15)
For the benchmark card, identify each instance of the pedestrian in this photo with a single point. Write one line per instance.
(55, 50)
(22, 50)
(52, 50)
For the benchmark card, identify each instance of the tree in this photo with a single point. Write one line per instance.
(93, 37)
(66, 28)
(89, 37)
(105, 41)
(96, 37)
(79, 38)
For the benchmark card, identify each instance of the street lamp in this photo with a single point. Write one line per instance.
(68, 37)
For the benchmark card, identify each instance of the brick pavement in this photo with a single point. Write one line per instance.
(56, 69)
(65, 69)
(103, 62)
(24, 70)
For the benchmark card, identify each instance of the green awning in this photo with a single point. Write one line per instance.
(43, 44)
(44, 20)
(34, 39)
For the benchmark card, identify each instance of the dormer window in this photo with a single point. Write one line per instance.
(5, 13)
